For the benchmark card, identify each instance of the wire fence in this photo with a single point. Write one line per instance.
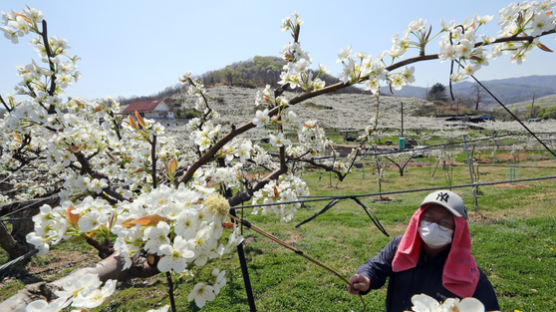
(423, 149)
(308, 199)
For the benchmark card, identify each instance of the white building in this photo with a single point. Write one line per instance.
(150, 109)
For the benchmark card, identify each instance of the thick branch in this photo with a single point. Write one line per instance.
(15, 207)
(241, 197)
(9, 244)
(109, 268)
(86, 167)
(51, 109)
(104, 250)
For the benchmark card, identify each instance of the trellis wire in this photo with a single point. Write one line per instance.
(509, 112)
(31, 205)
(434, 147)
(292, 248)
(519, 166)
(435, 188)
(15, 219)
(27, 255)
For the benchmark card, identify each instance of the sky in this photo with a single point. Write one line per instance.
(137, 48)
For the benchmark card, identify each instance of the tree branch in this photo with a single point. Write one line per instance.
(209, 155)
(109, 268)
(5, 105)
(51, 109)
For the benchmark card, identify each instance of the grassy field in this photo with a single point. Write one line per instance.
(514, 243)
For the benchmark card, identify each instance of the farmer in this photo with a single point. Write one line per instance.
(432, 257)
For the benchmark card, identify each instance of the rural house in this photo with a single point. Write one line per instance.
(150, 109)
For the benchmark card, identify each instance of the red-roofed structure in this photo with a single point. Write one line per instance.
(150, 109)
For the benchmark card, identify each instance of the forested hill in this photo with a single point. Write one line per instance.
(256, 73)
(253, 73)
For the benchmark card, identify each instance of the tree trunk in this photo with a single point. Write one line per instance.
(9, 244)
(14, 243)
(109, 268)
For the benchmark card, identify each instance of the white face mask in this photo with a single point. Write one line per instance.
(434, 235)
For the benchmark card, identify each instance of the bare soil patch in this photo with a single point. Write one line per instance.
(63, 260)
(293, 238)
(511, 185)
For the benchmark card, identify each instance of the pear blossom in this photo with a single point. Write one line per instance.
(175, 257)
(93, 297)
(156, 236)
(39, 243)
(186, 225)
(220, 280)
(161, 309)
(261, 118)
(43, 306)
(424, 303)
(279, 140)
(201, 293)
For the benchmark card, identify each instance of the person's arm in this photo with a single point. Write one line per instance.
(376, 269)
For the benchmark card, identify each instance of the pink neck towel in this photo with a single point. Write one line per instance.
(460, 274)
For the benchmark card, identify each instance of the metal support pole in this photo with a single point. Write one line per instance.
(245, 273)
(401, 112)
(471, 175)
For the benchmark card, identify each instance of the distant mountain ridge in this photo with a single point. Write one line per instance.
(509, 90)
(262, 70)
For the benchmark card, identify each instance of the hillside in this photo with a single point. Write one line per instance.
(253, 73)
(545, 101)
(257, 73)
(509, 91)
(236, 106)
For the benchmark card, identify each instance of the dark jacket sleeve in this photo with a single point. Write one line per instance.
(380, 267)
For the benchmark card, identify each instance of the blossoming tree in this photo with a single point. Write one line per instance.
(151, 208)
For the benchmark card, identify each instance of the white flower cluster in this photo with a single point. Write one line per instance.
(203, 131)
(83, 292)
(530, 18)
(18, 25)
(265, 99)
(424, 303)
(311, 139)
(50, 228)
(296, 72)
(192, 218)
(356, 66)
(459, 44)
(287, 188)
(189, 233)
(239, 149)
(71, 132)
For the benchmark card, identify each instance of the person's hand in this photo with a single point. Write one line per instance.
(358, 283)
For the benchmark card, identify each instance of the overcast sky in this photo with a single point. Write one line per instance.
(141, 47)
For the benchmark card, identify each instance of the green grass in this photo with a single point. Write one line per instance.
(514, 242)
